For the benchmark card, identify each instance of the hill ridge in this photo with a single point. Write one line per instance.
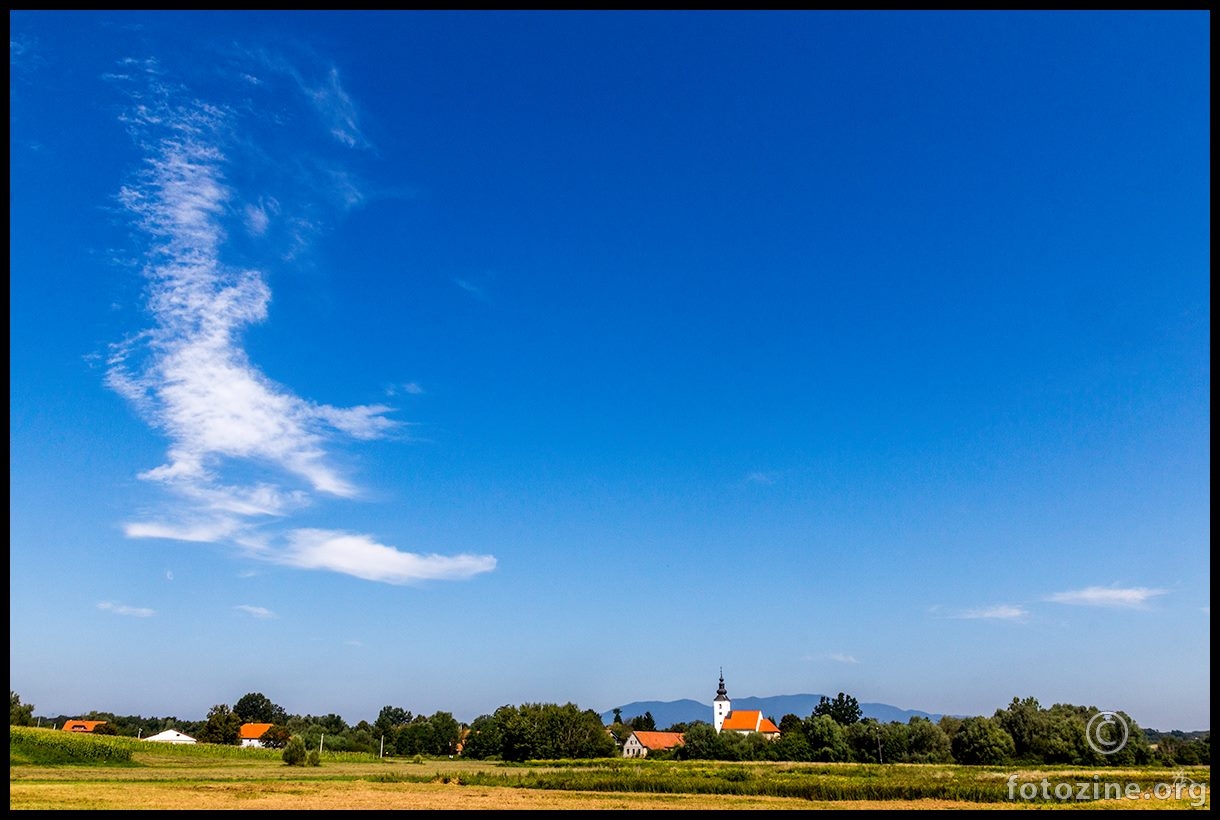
(666, 713)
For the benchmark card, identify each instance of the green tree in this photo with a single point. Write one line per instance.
(844, 709)
(519, 734)
(928, 742)
(294, 751)
(866, 740)
(388, 721)
(827, 739)
(950, 725)
(256, 707)
(484, 740)
(19, 714)
(983, 742)
(644, 723)
(789, 723)
(446, 732)
(276, 737)
(793, 745)
(895, 742)
(1022, 720)
(221, 726)
(701, 742)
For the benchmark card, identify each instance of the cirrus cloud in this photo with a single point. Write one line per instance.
(1116, 597)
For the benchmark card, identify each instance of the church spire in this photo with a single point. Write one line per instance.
(721, 706)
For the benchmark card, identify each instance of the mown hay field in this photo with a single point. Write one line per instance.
(59, 770)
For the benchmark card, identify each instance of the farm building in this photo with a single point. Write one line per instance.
(170, 736)
(250, 733)
(639, 744)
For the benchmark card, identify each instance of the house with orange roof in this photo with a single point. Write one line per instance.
(81, 725)
(743, 721)
(639, 744)
(250, 734)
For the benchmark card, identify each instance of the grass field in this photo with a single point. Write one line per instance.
(60, 770)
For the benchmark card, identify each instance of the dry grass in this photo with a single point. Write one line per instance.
(171, 779)
(363, 795)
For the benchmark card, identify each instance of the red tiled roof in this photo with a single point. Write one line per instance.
(253, 731)
(748, 720)
(655, 741)
(81, 725)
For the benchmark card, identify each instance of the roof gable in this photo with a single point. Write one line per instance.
(82, 725)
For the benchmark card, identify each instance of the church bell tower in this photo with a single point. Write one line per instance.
(721, 706)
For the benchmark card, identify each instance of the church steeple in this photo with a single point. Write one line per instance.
(721, 706)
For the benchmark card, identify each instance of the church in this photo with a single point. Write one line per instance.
(741, 721)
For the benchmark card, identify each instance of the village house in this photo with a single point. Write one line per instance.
(251, 734)
(639, 744)
(170, 736)
(81, 725)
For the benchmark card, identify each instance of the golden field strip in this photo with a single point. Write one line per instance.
(222, 777)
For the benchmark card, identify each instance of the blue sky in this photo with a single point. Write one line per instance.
(454, 360)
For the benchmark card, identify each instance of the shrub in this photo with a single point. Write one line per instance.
(294, 751)
(313, 758)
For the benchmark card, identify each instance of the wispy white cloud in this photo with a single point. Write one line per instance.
(363, 557)
(760, 478)
(190, 377)
(337, 109)
(470, 288)
(1117, 597)
(258, 217)
(256, 611)
(122, 609)
(840, 657)
(197, 384)
(410, 388)
(202, 532)
(1000, 612)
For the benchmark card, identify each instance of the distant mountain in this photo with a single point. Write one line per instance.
(666, 713)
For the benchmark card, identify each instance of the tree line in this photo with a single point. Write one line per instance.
(1023, 732)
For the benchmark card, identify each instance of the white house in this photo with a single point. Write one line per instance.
(170, 736)
(639, 744)
(251, 734)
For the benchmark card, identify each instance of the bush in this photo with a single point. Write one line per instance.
(313, 758)
(294, 751)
